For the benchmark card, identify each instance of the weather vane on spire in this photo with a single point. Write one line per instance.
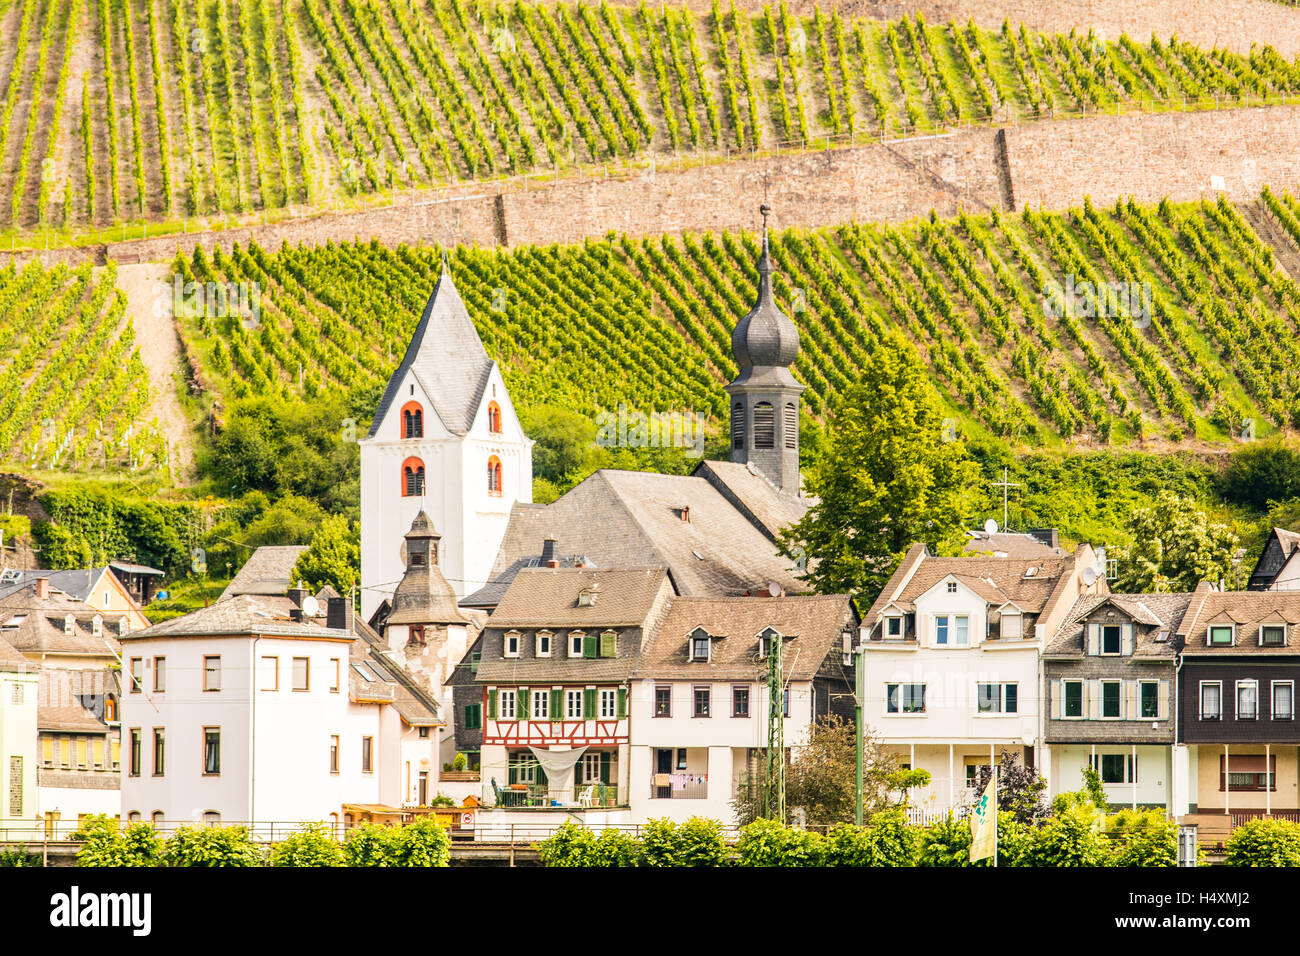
(765, 210)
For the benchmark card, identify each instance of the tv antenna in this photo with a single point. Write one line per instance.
(1005, 485)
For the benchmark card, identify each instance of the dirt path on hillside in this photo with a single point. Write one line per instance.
(160, 349)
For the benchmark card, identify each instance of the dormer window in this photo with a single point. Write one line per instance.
(575, 643)
(123, 626)
(765, 639)
(512, 644)
(894, 628)
(1221, 635)
(699, 645)
(1111, 638)
(69, 624)
(544, 643)
(587, 597)
(97, 626)
(1011, 624)
(1272, 635)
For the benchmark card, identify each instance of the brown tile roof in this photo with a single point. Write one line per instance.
(548, 597)
(814, 622)
(268, 570)
(1248, 610)
(246, 614)
(72, 701)
(34, 626)
(11, 660)
(1019, 546)
(623, 519)
(997, 580)
(1157, 612)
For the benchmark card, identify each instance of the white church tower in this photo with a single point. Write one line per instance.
(445, 440)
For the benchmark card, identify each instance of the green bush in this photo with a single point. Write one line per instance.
(770, 843)
(948, 843)
(894, 843)
(1264, 842)
(700, 843)
(371, 845)
(1071, 838)
(1143, 839)
(18, 856)
(659, 844)
(103, 844)
(459, 763)
(615, 848)
(423, 843)
(313, 845)
(212, 846)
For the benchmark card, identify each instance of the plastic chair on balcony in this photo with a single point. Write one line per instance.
(587, 797)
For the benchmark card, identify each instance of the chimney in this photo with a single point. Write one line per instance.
(339, 614)
(296, 595)
(550, 556)
(1047, 536)
(43, 588)
(580, 561)
(686, 514)
(295, 614)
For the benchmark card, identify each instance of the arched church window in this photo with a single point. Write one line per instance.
(412, 420)
(494, 418)
(738, 426)
(764, 425)
(791, 425)
(412, 477)
(494, 475)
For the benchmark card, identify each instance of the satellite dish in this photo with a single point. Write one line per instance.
(310, 606)
(1089, 575)
(774, 589)
(990, 527)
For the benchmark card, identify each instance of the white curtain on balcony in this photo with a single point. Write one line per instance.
(557, 763)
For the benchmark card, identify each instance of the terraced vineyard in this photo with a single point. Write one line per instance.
(73, 389)
(158, 110)
(1211, 344)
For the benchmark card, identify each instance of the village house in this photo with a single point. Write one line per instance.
(270, 709)
(1111, 678)
(1236, 705)
(952, 661)
(700, 700)
(1278, 567)
(18, 753)
(116, 590)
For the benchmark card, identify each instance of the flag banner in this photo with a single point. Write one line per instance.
(984, 822)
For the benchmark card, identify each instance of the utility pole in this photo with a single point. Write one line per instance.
(859, 716)
(1004, 485)
(774, 796)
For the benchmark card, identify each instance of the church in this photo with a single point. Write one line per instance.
(446, 443)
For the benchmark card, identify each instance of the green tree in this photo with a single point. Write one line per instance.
(1020, 788)
(212, 846)
(103, 844)
(423, 843)
(1175, 547)
(1261, 472)
(566, 450)
(334, 557)
(887, 478)
(313, 845)
(372, 845)
(1143, 838)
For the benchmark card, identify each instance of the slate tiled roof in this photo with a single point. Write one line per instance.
(11, 660)
(814, 622)
(1249, 610)
(72, 701)
(634, 519)
(409, 699)
(767, 507)
(34, 625)
(423, 596)
(548, 597)
(268, 570)
(1156, 612)
(75, 583)
(1020, 546)
(447, 358)
(246, 614)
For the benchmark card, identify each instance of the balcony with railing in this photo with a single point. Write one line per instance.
(541, 796)
(679, 786)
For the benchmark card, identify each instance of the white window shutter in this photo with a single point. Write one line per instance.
(1126, 637)
(1129, 709)
(1056, 687)
(1094, 632)
(1162, 708)
(1094, 708)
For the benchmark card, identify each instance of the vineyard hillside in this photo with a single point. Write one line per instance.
(176, 114)
(1191, 337)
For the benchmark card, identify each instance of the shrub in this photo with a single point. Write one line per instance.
(423, 843)
(1143, 839)
(615, 848)
(894, 843)
(700, 843)
(769, 843)
(459, 763)
(212, 846)
(1264, 842)
(569, 845)
(105, 845)
(1071, 838)
(371, 845)
(946, 844)
(313, 845)
(18, 856)
(659, 844)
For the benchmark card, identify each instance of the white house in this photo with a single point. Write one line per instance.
(445, 440)
(254, 710)
(699, 703)
(18, 690)
(952, 661)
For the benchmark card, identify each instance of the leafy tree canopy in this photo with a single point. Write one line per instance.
(334, 557)
(1175, 547)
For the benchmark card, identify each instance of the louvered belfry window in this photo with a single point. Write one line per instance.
(764, 425)
(791, 425)
(738, 426)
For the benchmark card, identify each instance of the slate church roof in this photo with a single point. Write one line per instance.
(447, 358)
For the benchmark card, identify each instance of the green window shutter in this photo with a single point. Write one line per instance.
(589, 645)
(589, 704)
(622, 702)
(609, 644)
(540, 775)
(521, 704)
(557, 704)
(604, 767)
(492, 704)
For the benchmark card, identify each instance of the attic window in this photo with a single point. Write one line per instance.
(698, 645)
(16, 620)
(1272, 635)
(97, 626)
(1030, 572)
(894, 628)
(952, 587)
(587, 597)
(68, 624)
(1162, 636)
(765, 638)
(512, 644)
(1221, 635)
(1010, 624)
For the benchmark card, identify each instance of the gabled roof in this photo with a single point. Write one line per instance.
(268, 571)
(634, 519)
(813, 623)
(35, 626)
(245, 615)
(548, 597)
(1010, 544)
(1248, 611)
(11, 661)
(1158, 613)
(446, 357)
(769, 508)
(72, 701)
(76, 583)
